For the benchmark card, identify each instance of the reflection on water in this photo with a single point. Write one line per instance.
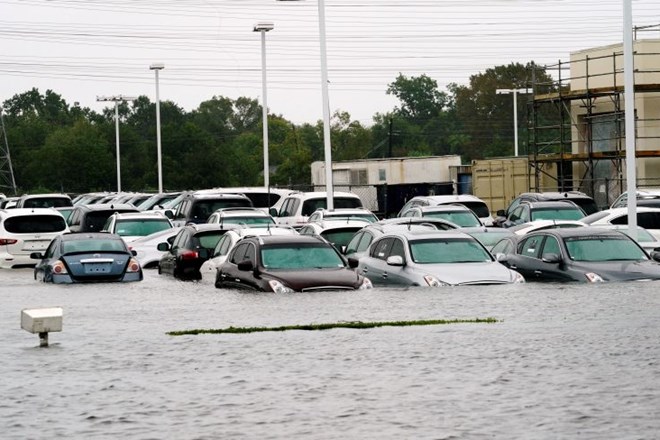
(565, 361)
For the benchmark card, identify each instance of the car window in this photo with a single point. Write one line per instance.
(251, 253)
(503, 247)
(180, 239)
(479, 208)
(557, 214)
(208, 239)
(30, 224)
(448, 250)
(596, 248)
(381, 249)
(141, 227)
(464, 219)
(648, 220)
(52, 247)
(515, 215)
(224, 245)
(292, 257)
(551, 246)
(531, 246)
(397, 249)
(352, 245)
(239, 253)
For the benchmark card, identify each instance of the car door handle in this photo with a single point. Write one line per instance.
(537, 272)
(365, 270)
(513, 266)
(384, 274)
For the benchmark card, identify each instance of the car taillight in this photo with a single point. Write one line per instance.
(133, 265)
(59, 268)
(8, 241)
(189, 255)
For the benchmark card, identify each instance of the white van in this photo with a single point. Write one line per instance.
(298, 206)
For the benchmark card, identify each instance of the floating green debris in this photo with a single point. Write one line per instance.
(355, 324)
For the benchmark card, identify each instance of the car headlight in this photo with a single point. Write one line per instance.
(517, 277)
(433, 281)
(279, 287)
(366, 284)
(594, 277)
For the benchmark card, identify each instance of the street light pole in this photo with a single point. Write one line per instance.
(262, 28)
(156, 67)
(515, 112)
(326, 107)
(117, 99)
(629, 118)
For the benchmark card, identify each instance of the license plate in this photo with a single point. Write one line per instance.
(91, 268)
(37, 245)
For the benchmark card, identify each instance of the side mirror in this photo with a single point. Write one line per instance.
(655, 256)
(353, 262)
(163, 246)
(133, 252)
(36, 256)
(203, 253)
(169, 214)
(502, 258)
(501, 213)
(273, 212)
(245, 265)
(551, 258)
(395, 260)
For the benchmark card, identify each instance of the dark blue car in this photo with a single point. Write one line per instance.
(87, 257)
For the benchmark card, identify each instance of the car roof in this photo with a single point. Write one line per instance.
(293, 239)
(561, 204)
(13, 212)
(556, 195)
(586, 231)
(424, 234)
(68, 236)
(203, 227)
(140, 215)
(443, 208)
(108, 207)
(216, 195)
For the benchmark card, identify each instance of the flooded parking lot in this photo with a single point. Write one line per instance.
(563, 361)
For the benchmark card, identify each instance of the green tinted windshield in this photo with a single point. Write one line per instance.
(557, 214)
(464, 219)
(448, 251)
(300, 257)
(140, 228)
(594, 248)
(249, 220)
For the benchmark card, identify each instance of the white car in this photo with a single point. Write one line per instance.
(245, 215)
(229, 240)
(537, 225)
(645, 197)
(133, 225)
(343, 214)
(27, 230)
(477, 205)
(647, 218)
(298, 206)
(146, 249)
(338, 232)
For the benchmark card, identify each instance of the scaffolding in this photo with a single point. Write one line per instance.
(576, 124)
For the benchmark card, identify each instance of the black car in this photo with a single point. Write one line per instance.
(288, 263)
(587, 254)
(92, 218)
(586, 203)
(192, 246)
(556, 210)
(87, 257)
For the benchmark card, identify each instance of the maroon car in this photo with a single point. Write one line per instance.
(291, 263)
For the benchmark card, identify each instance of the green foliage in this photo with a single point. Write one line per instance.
(328, 326)
(72, 149)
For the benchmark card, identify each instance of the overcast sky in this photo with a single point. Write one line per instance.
(81, 49)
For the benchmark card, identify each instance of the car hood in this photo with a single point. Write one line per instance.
(487, 272)
(621, 270)
(316, 279)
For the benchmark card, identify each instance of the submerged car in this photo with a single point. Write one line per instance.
(87, 257)
(288, 263)
(432, 259)
(587, 254)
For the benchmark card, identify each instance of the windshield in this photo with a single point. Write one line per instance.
(448, 250)
(311, 205)
(595, 248)
(489, 239)
(248, 220)
(557, 214)
(339, 237)
(141, 227)
(464, 219)
(93, 245)
(479, 208)
(299, 257)
(371, 218)
(35, 224)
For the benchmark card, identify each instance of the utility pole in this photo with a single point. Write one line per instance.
(116, 99)
(6, 170)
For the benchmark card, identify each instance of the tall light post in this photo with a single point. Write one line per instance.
(156, 67)
(117, 99)
(326, 106)
(262, 28)
(629, 116)
(515, 112)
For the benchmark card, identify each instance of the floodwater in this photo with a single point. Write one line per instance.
(563, 362)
